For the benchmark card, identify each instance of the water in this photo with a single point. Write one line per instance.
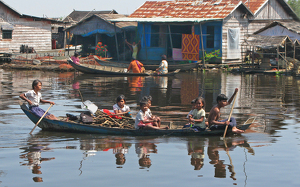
(266, 155)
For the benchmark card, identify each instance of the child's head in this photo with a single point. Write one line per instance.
(144, 105)
(148, 99)
(121, 100)
(193, 102)
(163, 57)
(199, 103)
(76, 54)
(221, 97)
(35, 83)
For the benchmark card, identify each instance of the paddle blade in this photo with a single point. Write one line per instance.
(88, 105)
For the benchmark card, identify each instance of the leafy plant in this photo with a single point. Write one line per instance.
(213, 54)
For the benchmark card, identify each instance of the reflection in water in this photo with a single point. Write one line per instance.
(32, 154)
(143, 149)
(196, 150)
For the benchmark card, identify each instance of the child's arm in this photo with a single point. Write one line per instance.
(22, 96)
(191, 119)
(44, 101)
(230, 100)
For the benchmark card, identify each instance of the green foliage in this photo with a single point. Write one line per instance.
(213, 54)
(295, 5)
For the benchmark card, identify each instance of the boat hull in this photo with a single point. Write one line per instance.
(57, 125)
(171, 67)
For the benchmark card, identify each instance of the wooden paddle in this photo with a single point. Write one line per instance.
(41, 118)
(229, 116)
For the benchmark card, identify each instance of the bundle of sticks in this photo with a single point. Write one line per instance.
(105, 120)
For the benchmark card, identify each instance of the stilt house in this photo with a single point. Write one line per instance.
(19, 29)
(189, 30)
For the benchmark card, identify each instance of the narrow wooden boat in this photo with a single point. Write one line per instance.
(118, 71)
(69, 126)
(105, 70)
(171, 67)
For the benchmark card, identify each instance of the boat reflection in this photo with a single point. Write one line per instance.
(91, 147)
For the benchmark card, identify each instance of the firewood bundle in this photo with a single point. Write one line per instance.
(105, 120)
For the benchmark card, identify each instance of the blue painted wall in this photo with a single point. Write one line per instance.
(154, 53)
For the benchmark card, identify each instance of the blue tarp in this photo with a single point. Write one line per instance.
(100, 31)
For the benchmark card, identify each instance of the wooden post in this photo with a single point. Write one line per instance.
(124, 46)
(202, 46)
(278, 58)
(171, 42)
(116, 42)
(145, 40)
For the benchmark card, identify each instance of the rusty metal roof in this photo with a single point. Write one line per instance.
(190, 9)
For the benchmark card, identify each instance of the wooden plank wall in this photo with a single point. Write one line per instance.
(36, 34)
(269, 12)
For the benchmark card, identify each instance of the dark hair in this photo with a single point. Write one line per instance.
(143, 102)
(163, 57)
(147, 98)
(222, 97)
(133, 58)
(120, 97)
(76, 54)
(35, 82)
(193, 101)
(201, 100)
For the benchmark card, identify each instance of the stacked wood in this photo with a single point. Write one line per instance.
(105, 120)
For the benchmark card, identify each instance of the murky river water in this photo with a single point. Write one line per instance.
(266, 155)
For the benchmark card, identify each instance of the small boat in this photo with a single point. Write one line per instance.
(109, 70)
(105, 70)
(72, 126)
(171, 67)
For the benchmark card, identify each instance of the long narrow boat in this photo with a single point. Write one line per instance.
(104, 70)
(171, 67)
(109, 70)
(57, 125)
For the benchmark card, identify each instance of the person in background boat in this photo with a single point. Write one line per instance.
(75, 58)
(120, 108)
(214, 114)
(193, 103)
(34, 97)
(148, 99)
(197, 118)
(136, 66)
(163, 67)
(143, 120)
(134, 47)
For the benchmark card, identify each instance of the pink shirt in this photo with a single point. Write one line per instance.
(75, 59)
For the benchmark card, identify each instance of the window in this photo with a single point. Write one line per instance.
(155, 36)
(6, 34)
(210, 39)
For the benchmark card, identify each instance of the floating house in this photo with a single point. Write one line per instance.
(23, 30)
(96, 27)
(188, 30)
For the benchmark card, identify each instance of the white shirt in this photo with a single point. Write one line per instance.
(33, 97)
(124, 109)
(141, 116)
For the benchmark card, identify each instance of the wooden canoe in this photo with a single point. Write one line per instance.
(171, 67)
(105, 70)
(69, 126)
(118, 71)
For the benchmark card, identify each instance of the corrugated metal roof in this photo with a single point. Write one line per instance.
(186, 9)
(293, 26)
(266, 42)
(122, 25)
